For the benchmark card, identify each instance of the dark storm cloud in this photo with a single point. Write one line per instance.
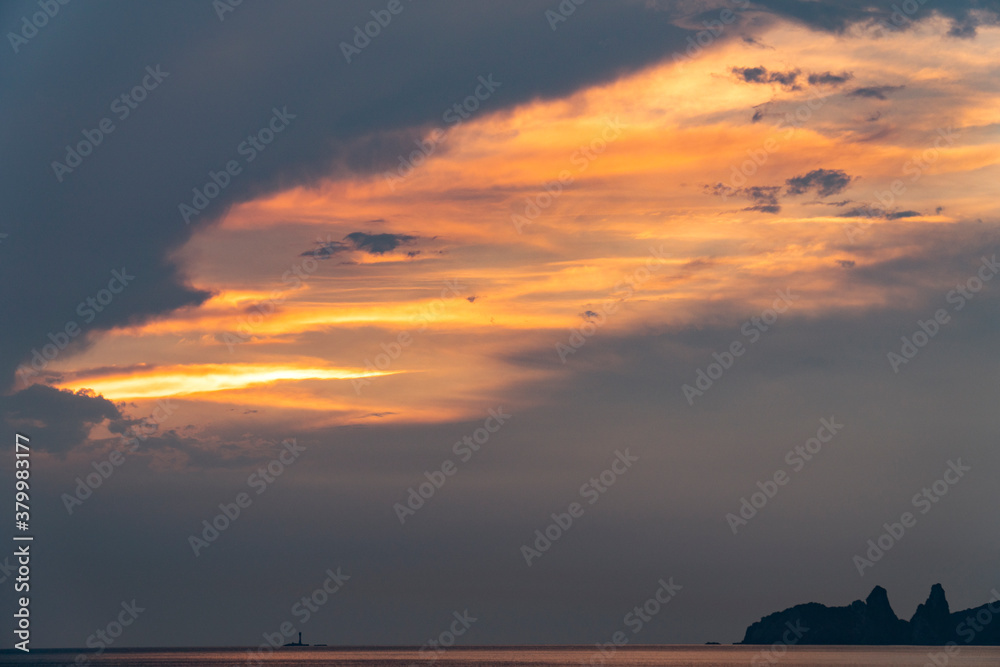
(864, 211)
(751, 74)
(867, 211)
(873, 92)
(762, 75)
(839, 15)
(786, 79)
(764, 208)
(825, 182)
(60, 421)
(218, 84)
(373, 244)
(765, 198)
(829, 78)
(326, 249)
(830, 15)
(378, 244)
(789, 79)
(57, 419)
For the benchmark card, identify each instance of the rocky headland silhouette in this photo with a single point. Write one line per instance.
(873, 622)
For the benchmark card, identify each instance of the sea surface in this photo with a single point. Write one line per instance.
(561, 656)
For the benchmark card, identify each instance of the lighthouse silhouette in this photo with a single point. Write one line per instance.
(298, 643)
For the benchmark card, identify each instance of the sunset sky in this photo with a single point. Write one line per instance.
(689, 230)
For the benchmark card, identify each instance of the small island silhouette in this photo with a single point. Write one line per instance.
(873, 622)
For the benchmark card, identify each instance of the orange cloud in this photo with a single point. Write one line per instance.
(549, 210)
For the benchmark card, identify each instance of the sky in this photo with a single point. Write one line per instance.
(527, 311)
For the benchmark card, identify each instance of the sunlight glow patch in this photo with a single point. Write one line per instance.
(194, 379)
(482, 292)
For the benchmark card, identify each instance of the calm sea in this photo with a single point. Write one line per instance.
(667, 656)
